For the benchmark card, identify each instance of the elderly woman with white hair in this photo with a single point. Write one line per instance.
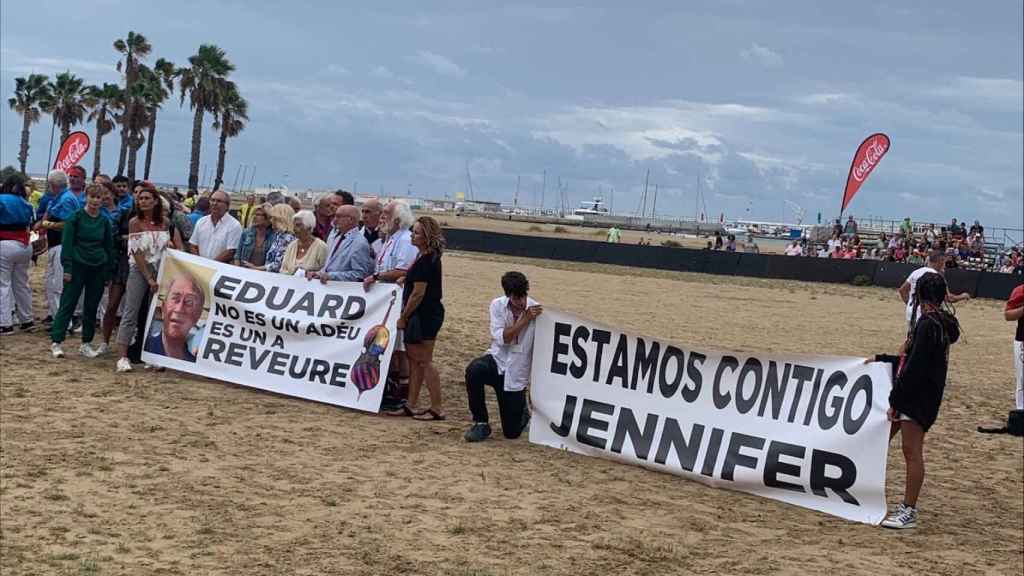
(307, 253)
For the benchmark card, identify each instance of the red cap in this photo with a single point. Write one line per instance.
(76, 168)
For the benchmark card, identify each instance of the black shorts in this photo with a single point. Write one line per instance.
(120, 276)
(429, 321)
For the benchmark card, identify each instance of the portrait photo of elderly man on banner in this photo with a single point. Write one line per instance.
(329, 342)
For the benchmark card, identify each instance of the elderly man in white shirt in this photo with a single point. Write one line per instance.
(216, 235)
(506, 365)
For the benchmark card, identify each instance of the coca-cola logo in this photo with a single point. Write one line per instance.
(72, 150)
(872, 154)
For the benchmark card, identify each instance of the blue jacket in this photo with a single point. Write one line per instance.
(44, 203)
(247, 243)
(15, 212)
(63, 206)
(348, 256)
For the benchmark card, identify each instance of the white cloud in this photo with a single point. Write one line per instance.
(1007, 93)
(338, 70)
(15, 62)
(828, 98)
(385, 73)
(440, 64)
(761, 55)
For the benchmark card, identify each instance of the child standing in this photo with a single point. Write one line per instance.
(918, 386)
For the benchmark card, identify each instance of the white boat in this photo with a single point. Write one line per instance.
(593, 207)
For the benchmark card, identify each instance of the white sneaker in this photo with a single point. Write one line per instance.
(124, 365)
(56, 350)
(102, 349)
(87, 351)
(904, 517)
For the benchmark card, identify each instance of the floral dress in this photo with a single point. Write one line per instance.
(275, 254)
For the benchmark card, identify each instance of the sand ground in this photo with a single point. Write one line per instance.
(171, 474)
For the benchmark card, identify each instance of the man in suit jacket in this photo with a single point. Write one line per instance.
(348, 252)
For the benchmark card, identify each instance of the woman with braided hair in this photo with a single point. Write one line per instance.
(920, 379)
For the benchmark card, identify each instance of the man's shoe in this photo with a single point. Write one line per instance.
(29, 326)
(124, 365)
(48, 321)
(904, 517)
(56, 350)
(478, 433)
(87, 351)
(6, 330)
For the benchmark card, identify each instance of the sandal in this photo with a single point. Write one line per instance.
(404, 411)
(429, 415)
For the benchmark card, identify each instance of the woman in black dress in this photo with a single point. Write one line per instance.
(918, 386)
(422, 317)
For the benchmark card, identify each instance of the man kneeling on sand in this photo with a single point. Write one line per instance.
(506, 365)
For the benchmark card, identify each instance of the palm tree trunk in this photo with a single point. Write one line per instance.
(99, 145)
(133, 155)
(65, 130)
(23, 152)
(220, 158)
(149, 144)
(197, 142)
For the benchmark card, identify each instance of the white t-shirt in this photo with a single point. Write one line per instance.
(912, 280)
(792, 250)
(212, 239)
(515, 359)
(834, 244)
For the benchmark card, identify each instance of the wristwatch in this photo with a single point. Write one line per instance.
(376, 276)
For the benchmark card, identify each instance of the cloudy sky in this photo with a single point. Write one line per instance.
(758, 103)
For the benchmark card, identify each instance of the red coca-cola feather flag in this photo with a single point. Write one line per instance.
(72, 150)
(868, 155)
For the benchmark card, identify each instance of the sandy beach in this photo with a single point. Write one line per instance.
(167, 473)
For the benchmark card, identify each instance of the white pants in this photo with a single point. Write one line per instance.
(1018, 365)
(54, 281)
(15, 291)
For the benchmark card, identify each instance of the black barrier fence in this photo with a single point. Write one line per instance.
(887, 274)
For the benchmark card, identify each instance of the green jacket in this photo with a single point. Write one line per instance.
(88, 241)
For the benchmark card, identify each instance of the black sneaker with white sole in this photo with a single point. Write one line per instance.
(478, 433)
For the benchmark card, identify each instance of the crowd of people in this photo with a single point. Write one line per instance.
(105, 241)
(962, 246)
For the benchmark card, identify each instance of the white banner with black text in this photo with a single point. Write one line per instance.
(329, 342)
(804, 429)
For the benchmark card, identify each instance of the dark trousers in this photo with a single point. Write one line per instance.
(512, 406)
(88, 279)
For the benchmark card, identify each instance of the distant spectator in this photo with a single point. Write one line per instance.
(930, 235)
(851, 228)
(954, 229)
(907, 228)
(752, 246)
(246, 211)
(794, 249)
(730, 245)
(613, 235)
(837, 227)
(276, 197)
(348, 253)
(346, 197)
(295, 203)
(326, 206)
(370, 226)
(200, 208)
(835, 243)
(718, 240)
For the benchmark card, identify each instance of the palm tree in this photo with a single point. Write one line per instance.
(230, 119)
(164, 71)
(66, 102)
(103, 102)
(29, 95)
(204, 82)
(135, 125)
(134, 48)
